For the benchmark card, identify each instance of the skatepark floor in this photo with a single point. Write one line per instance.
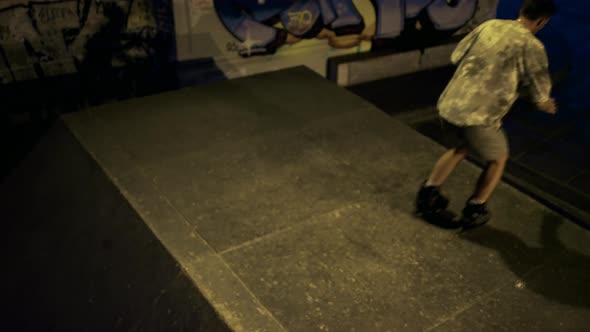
(288, 202)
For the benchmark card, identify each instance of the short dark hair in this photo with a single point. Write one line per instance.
(536, 9)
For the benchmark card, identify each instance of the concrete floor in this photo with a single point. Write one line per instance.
(289, 203)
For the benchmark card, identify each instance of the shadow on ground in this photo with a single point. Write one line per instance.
(553, 271)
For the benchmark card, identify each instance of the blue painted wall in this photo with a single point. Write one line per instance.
(567, 40)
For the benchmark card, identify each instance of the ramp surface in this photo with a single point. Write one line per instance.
(285, 203)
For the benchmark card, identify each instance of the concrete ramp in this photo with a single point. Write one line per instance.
(277, 202)
(81, 258)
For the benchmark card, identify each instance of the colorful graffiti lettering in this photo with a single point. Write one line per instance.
(262, 27)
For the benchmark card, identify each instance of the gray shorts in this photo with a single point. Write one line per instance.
(486, 142)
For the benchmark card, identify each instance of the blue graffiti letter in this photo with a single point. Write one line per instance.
(449, 15)
(444, 14)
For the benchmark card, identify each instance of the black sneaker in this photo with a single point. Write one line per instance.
(430, 200)
(475, 215)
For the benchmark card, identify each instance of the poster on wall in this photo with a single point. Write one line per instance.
(57, 37)
(250, 36)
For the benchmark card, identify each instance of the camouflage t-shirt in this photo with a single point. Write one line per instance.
(497, 62)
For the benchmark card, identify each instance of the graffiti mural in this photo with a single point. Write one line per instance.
(264, 26)
(54, 37)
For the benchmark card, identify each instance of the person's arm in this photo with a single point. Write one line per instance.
(536, 78)
(465, 44)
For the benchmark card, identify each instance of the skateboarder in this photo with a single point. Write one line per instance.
(497, 62)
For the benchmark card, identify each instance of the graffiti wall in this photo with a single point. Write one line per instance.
(247, 36)
(52, 37)
(55, 37)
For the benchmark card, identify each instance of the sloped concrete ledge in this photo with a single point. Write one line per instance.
(80, 258)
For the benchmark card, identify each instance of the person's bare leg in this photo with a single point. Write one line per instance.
(445, 165)
(488, 181)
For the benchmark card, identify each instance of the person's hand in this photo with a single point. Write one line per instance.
(550, 106)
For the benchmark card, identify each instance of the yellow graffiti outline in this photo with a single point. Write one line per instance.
(300, 20)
